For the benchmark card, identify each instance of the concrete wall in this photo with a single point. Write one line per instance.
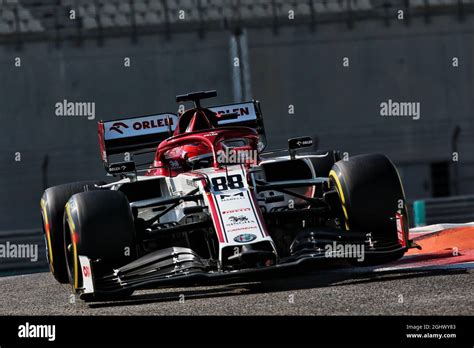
(159, 70)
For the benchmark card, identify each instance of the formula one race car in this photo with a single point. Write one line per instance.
(212, 206)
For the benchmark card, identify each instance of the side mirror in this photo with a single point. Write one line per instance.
(298, 143)
(120, 167)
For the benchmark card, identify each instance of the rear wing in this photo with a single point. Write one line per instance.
(135, 133)
(248, 114)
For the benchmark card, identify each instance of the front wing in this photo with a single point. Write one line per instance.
(178, 266)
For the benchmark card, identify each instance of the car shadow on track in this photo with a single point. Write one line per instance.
(403, 275)
(174, 296)
(221, 289)
(315, 279)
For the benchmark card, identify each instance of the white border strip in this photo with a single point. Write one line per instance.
(439, 227)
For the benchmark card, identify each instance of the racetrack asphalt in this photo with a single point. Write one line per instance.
(346, 291)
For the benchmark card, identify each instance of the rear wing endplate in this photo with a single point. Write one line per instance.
(248, 114)
(135, 133)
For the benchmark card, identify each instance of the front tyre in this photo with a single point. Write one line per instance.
(52, 210)
(371, 194)
(98, 225)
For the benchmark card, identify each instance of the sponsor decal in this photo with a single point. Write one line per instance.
(211, 134)
(245, 238)
(239, 219)
(241, 111)
(116, 127)
(305, 143)
(121, 167)
(233, 197)
(86, 271)
(400, 233)
(156, 123)
(85, 266)
(246, 228)
(234, 211)
(140, 126)
(300, 142)
(117, 169)
(245, 112)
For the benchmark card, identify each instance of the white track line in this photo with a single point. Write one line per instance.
(438, 227)
(407, 267)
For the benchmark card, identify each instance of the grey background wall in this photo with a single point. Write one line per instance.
(295, 66)
(159, 70)
(341, 105)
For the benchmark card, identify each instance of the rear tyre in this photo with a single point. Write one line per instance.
(52, 210)
(98, 225)
(371, 193)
